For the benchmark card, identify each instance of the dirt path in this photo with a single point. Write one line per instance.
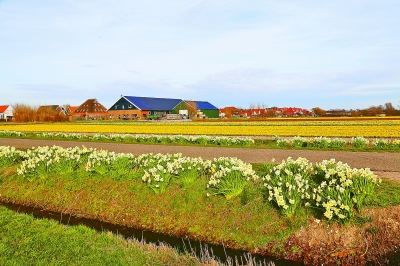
(384, 164)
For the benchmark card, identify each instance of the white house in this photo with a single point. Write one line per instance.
(6, 112)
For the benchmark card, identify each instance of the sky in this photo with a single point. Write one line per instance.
(327, 54)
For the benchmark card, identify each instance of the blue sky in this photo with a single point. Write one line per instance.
(330, 54)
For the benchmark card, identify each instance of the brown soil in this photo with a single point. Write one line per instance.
(332, 244)
(384, 164)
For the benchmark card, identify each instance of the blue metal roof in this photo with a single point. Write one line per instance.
(204, 105)
(157, 104)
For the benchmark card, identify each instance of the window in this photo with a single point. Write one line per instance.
(130, 106)
(123, 107)
(116, 106)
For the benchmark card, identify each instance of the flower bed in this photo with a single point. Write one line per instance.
(332, 187)
(369, 128)
(324, 142)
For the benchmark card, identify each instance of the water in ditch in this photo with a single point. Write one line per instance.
(199, 249)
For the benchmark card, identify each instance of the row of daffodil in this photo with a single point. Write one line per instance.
(331, 187)
(141, 138)
(156, 170)
(324, 142)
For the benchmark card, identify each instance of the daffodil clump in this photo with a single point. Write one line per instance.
(69, 136)
(116, 165)
(359, 142)
(188, 170)
(229, 176)
(340, 188)
(386, 143)
(11, 133)
(315, 142)
(288, 184)
(364, 183)
(39, 162)
(334, 188)
(159, 169)
(9, 156)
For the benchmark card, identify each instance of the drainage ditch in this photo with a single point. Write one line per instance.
(201, 250)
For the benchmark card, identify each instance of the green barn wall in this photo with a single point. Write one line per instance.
(211, 113)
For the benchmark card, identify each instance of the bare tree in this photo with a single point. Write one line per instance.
(389, 109)
(24, 113)
(192, 108)
(319, 111)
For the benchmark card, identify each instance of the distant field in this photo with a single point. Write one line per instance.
(293, 127)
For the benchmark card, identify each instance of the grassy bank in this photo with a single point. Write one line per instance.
(25, 240)
(248, 221)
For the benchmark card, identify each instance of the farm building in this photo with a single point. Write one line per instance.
(6, 112)
(203, 109)
(71, 109)
(90, 109)
(133, 107)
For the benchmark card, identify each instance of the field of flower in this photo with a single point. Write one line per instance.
(334, 128)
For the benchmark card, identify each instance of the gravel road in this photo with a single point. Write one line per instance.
(384, 164)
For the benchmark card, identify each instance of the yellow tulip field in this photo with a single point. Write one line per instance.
(369, 128)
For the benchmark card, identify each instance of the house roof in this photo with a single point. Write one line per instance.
(3, 108)
(149, 103)
(47, 107)
(73, 108)
(203, 105)
(90, 106)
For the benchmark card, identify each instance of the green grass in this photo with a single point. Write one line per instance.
(387, 194)
(25, 240)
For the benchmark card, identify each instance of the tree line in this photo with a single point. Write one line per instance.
(26, 113)
(382, 110)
